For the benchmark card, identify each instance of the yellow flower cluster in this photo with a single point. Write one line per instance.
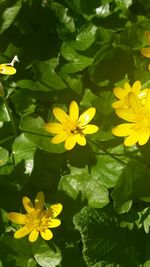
(37, 220)
(133, 106)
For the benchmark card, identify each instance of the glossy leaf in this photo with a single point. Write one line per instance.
(34, 130)
(4, 154)
(9, 14)
(90, 188)
(24, 149)
(46, 256)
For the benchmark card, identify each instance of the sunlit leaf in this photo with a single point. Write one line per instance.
(86, 186)
(9, 14)
(34, 130)
(46, 256)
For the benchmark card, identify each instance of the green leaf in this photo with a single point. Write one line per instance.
(103, 103)
(4, 154)
(24, 103)
(104, 242)
(46, 75)
(77, 62)
(1, 90)
(145, 219)
(133, 183)
(18, 251)
(63, 16)
(147, 264)
(9, 14)
(46, 256)
(107, 62)
(109, 165)
(26, 254)
(8, 166)
(80, 183)
(85, 37)
(133, 36)
(4, 116)
(80, 64)
(123, 3)
(34, 131)
(75, 82)
(103, 10)
(32, 85)
(87, 98)
(31, 263)
(24, 149)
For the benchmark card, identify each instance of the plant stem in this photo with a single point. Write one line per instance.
(7, 139)
(108, 153)
(10, 116)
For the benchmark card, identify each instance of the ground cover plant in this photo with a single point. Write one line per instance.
(74, 133)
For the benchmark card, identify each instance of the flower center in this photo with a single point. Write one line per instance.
(72, 127)
(77, 130)
(37, 220)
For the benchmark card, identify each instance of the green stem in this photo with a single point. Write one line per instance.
(7, 139)
(107, 153)
(10, 116)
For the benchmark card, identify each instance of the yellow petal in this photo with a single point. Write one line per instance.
(47, 234)
(124, 129)
(147, 101)
(22, 232)
(135, 103)
(8, 70)
(39, 201)
(80, 139)
(54, 210)
(74, 111)
(60, 115)
(119, 104)
(33, 235)
(70, 142)
(146, 52)
(86, 117)
(126, 114)
(90, 129)
(143, 93)
(27, 204)
(17, 217)
(149, 67)
(136, 87)
(54, 128)
(59, 138)
(127, 87)
(119, 92)
(54, 223)
(144, 136)
(131, 139)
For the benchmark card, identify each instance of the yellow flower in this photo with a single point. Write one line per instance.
(37, 219)
(137, 129)
(145, 51)
(72, 128)
(122, 94)
(7, 68)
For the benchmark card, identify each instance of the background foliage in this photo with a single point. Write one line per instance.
(73, 50)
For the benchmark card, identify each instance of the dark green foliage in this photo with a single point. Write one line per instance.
(73, 50)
